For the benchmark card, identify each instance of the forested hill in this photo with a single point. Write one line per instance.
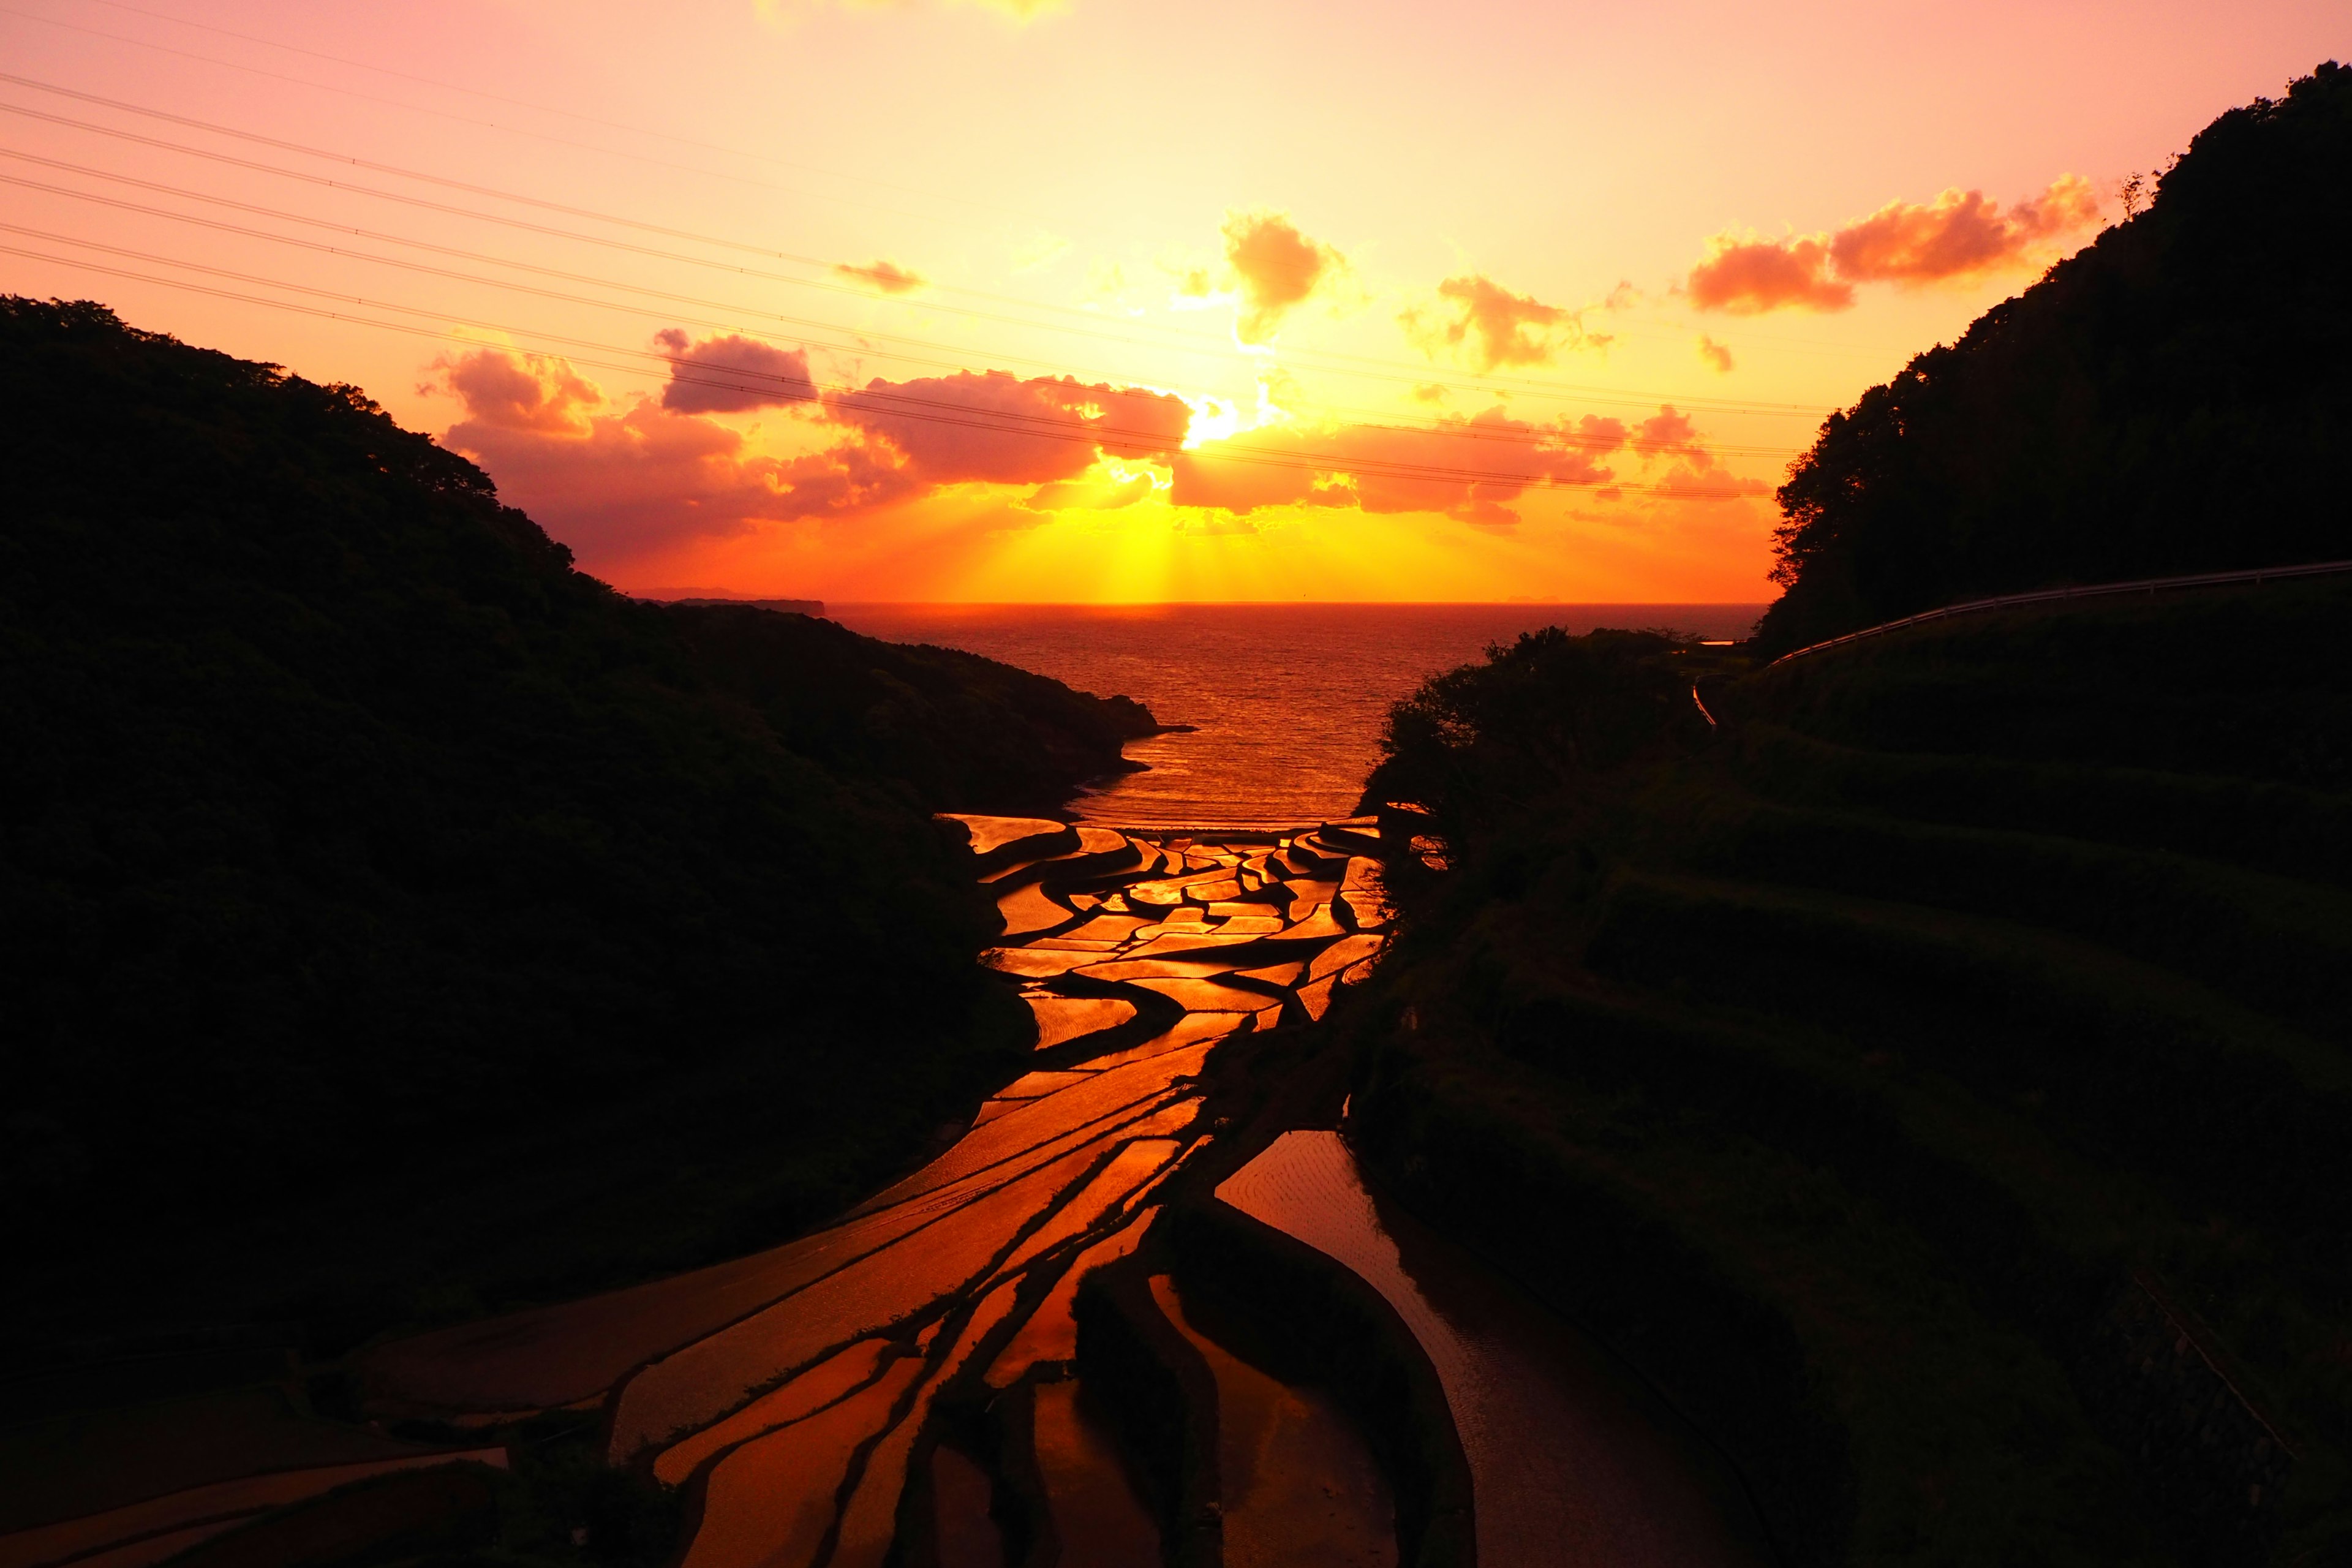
(2172, 399)
(392, 915)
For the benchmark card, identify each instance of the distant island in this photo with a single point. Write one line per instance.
(785, 606)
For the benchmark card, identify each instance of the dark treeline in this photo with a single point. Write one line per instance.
(2172, 399)
(1929, 1076)
(394, 919)
(1932, 1070)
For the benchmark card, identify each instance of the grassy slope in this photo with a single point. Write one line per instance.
(1846, 1065)
(393, 921)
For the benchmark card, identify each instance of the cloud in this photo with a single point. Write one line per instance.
(1495, 326)
(1431, 393)
(1276, 268)
(998, 428)
(1715, 354)
(504, 391)
(1087, 494)
(1219, 527)
(1041, 249)
(608, 484)
(1467, 469)
(1747, 277)
(614, 484)
(882, 277)
(1692, 473)
(729, 374)
(1957, 235)
(1106, 280)
(908, 439)
(1684, 481)
(1669, 432)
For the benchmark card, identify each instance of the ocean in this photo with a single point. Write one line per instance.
(1287, 700)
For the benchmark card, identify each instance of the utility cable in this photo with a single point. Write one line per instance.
(722, 242)
(1522, 435)
(472, 120)
(1233, 451)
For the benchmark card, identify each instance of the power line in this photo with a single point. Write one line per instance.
(1385, 368)
(546, 109)
(732, 151)
(1523, 436)
(462, 119)
(1232, 451)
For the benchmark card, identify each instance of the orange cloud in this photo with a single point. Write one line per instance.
(731, 375)
(1465, 468)
(505, 391)
(998, 428)
(1957, 235)
(1669, 432)
(1748, 277)
(1684, 481)
(1277, 268)
(1691, 473)
(1496, 326)
(882, 277)
(609, 485)
(617, 485)
(1715, 354)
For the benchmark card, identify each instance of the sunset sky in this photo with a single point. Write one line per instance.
(1096, 301)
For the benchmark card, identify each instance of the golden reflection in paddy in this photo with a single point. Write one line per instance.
(786, 1386)
(1098, 1514)
(1298, 1483)
(1569, 1460)
(831, 1379)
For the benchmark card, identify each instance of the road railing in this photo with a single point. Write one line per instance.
(2086, 590)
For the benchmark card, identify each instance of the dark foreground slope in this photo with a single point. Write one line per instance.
(1936, 1076)
(2171, 400)
(1938, 1079)
(394, 919)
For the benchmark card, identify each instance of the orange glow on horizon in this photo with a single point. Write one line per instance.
(791, 300)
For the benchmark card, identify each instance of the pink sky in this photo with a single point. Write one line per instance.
(1321, 302)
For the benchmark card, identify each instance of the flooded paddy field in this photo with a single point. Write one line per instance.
(911, 1384)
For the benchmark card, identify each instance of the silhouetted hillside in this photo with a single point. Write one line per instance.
(391, 915)
(1936, 1078)
(2173, 399)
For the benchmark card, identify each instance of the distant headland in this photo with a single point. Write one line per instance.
(788, 607)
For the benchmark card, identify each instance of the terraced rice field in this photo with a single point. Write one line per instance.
(791, 1389)
(1568, 1461)
(796, 1393)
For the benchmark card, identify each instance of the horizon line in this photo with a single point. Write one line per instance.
(1223, 604)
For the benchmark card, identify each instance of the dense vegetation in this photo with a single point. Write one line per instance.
(392, 919)
(1929, 1077)
(1929, 1060)
(2171, 400)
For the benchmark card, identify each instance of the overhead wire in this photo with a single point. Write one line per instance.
(549, 108)
(1169, 337)
(1521, 435)
(606, 123)
(466, 119)
(1233, 450)
(633, 129)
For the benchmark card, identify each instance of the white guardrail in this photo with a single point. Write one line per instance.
(2088, 591)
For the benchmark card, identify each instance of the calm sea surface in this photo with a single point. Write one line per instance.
(1287, 700)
